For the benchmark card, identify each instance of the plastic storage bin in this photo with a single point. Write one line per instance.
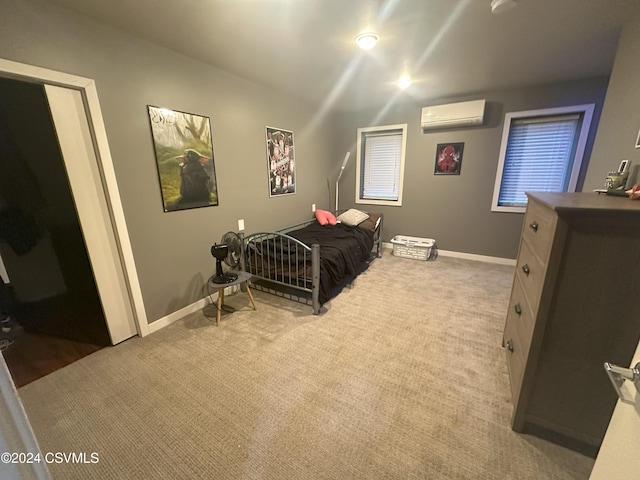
(412, 247)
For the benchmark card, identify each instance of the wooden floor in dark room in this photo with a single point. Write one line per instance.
(31, 356)
(49, 335)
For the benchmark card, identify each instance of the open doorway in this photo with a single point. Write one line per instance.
(55, 306)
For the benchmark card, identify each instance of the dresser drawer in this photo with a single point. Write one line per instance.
(538, 229)
(520, 317)
(531, 274)
(515, 359)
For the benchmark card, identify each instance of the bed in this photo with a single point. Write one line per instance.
(309, 262)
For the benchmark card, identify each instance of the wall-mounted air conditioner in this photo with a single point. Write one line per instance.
(460, 114)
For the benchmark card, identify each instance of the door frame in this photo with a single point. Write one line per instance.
(114, 214)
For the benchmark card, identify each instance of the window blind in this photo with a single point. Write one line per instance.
(381, 169)
(539, 157)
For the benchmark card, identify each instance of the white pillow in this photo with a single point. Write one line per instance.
(352, 217)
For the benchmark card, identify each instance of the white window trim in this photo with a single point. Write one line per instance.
(359, 152)
(585, 110)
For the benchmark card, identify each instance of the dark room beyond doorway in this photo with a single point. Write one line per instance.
(52, 296)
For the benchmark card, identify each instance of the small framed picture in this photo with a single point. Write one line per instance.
(638, 140)
(448, 158)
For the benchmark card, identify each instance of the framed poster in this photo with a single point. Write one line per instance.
(280, 161)
(638, 140)
(448, 158)
(184, 158)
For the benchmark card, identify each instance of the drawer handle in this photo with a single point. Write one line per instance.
(509, 345)
(517, 308)
(525, 269)
(534, 226)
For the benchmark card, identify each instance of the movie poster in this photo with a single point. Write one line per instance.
(184, 157)
(448, 158)
(280, 160)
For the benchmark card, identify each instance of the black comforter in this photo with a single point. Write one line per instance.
(344, 253)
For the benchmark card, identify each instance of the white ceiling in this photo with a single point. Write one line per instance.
(449, 47)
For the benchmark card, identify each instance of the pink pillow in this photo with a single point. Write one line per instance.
(325, 217)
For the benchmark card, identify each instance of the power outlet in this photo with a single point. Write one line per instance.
(313, 207)
(241, 225)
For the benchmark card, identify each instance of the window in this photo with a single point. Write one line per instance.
(380, 164)
(541, 151)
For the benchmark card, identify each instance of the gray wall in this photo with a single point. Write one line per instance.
(620, 121)
(171, 250)
(455, 210)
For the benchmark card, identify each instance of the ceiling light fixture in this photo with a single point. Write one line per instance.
(404, 82)
(367, 40)
(499, 6)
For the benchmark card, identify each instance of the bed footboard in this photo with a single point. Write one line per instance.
(278, 260)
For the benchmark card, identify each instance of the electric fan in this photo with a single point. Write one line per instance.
(228, 250)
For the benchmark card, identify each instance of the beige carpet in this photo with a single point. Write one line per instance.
(402, 377)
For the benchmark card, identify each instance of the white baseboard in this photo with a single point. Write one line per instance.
(178, 314)
(469, 256)
(480, 258)
(194, 307)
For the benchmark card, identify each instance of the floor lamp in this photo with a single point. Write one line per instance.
(344, 164)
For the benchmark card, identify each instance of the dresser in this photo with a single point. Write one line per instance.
(575, 303)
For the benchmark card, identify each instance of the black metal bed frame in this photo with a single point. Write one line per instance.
(267, 278)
